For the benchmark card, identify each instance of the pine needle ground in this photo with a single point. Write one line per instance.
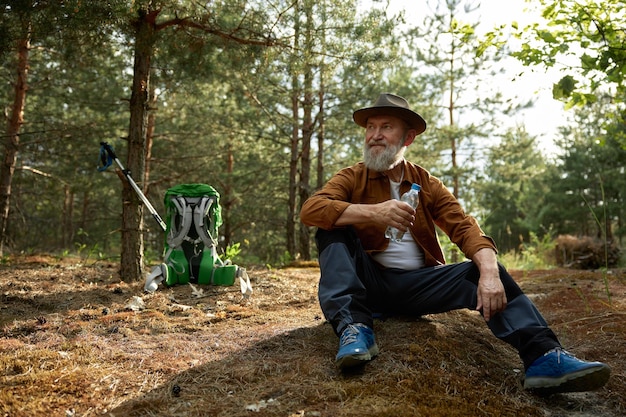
(74, 343)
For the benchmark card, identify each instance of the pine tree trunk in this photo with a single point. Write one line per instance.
(453, 147)
(304, 248)
(12, 141)
(227, 198)
(132, 259)
(68, 215)
(293, 173)
(149, 139)
(321, 134)
(295, 145)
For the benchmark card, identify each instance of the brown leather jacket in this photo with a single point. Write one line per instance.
(438, 206)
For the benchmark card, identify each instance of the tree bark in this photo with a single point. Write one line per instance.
(227, 199)
(304, 248)
(293, 173)
(132, 256)
(68, 215)
(11, 144)
(150, 139)
(295, 145)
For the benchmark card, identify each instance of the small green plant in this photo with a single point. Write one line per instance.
(285, 259)
(232, 251)
(80, 248)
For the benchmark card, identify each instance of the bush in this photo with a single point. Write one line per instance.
(586, 252)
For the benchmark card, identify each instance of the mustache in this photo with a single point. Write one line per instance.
(377, 142)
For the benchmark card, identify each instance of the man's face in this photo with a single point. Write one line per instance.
(385, 138)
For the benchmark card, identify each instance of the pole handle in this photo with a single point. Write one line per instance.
(111, 155)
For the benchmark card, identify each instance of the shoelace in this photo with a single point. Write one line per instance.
(559, 351)
(349, 335)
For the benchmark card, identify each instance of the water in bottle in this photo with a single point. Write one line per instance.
(411, 197)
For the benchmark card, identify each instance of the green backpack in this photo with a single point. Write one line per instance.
(193, 217)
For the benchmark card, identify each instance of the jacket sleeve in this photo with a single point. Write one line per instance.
(324, 207)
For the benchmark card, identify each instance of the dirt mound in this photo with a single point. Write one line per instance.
(76, 341)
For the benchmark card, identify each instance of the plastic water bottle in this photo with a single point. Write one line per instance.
(412, 198)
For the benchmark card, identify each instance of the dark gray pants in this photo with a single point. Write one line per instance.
(352, 287)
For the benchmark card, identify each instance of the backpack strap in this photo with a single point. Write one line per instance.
(178, 230)
(200, 216)
(178, 233)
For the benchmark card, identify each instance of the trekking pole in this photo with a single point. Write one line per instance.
(107, 156)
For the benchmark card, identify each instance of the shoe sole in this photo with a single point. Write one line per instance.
(586, 380)
(350, 361)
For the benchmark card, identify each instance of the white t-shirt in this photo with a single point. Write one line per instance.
(405, 254)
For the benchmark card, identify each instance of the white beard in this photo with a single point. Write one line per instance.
(383, 160)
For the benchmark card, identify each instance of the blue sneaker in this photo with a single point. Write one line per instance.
(558, 371)
(356, 346)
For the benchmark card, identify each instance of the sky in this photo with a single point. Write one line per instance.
(547, 114)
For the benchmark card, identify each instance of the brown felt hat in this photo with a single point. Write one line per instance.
(391, 105)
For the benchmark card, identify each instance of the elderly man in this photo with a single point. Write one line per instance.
(363, 272)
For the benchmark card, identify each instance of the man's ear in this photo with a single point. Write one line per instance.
(410, 137)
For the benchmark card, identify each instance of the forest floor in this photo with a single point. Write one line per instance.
(77, 341)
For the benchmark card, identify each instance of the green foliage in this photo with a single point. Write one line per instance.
(527, 198)
(537, 253)
(73, 102)
(511, 196)
(588, 182)
(456, 66)
(586, 40)
(223, 116)
(564, 88)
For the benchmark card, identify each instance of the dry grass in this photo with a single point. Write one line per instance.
(71, 346)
